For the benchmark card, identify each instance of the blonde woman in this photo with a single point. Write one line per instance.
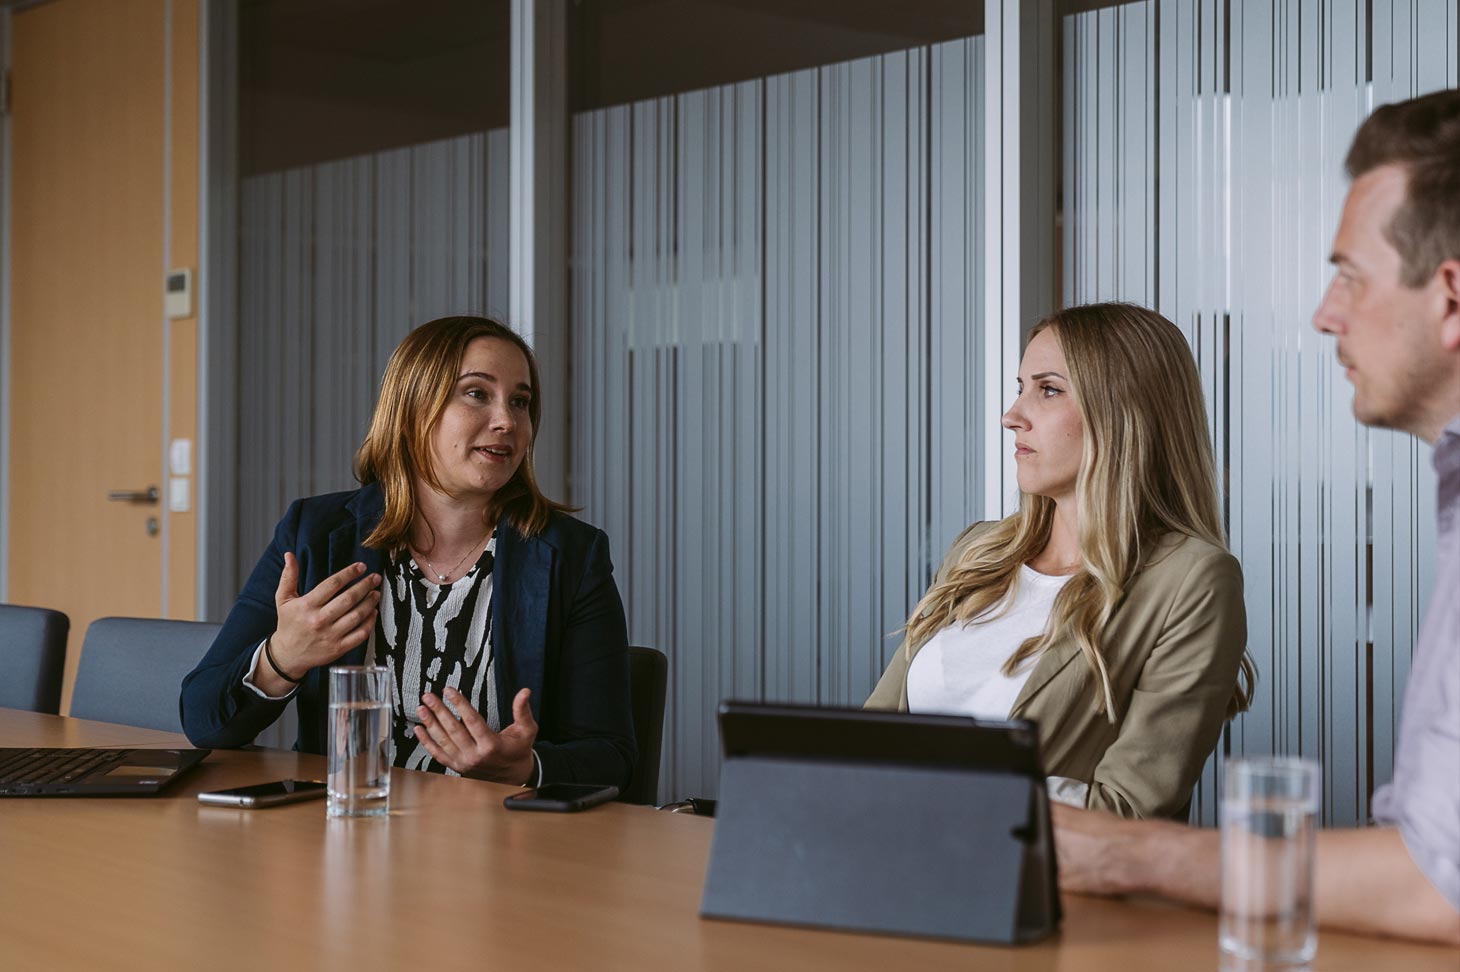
(495, 611)
(1107, 609)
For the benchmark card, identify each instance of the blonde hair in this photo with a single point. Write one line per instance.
(417, 385)
(1146, 470)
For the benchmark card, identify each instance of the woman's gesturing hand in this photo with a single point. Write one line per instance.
(317, 628)
(469, 746)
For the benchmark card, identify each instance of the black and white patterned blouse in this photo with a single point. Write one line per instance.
(432, 636)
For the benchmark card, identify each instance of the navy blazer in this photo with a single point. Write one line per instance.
(557, 628)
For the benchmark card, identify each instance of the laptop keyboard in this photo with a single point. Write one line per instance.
(39, 766)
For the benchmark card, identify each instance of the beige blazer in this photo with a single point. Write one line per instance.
(1172, 649)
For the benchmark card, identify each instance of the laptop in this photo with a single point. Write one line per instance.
(93, 771)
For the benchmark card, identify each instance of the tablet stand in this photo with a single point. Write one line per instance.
(945, 852)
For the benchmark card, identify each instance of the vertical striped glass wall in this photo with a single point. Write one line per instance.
(776, 298)
(1203, 147)
(337, 262)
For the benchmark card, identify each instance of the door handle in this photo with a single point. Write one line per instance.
(148, 495)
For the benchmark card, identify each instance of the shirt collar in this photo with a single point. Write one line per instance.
(1447, 449)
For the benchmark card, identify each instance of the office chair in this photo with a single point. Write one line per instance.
(131, 670)
(648, 680)
(33, 655)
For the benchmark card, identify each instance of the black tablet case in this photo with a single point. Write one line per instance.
(846, 841)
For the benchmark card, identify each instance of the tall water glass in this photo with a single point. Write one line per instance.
(1269, 815)
(360, 742)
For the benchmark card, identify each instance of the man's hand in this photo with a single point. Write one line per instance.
(1088, 846)
(1100, 853)
(469, 746)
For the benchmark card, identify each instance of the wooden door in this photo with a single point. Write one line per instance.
(87, 331)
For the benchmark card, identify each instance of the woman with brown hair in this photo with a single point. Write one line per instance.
(1107, 609)
(495, 611)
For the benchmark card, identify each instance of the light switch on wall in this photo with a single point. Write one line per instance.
(177, 293)
(179, 498)
(180, 457)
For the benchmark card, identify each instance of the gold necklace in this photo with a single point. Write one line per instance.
(440, 575)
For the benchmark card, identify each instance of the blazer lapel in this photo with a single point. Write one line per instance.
(345, 550)
(344, 546)
(1053, 661)
(521, 586)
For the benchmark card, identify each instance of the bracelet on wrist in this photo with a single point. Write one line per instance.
(269, 657)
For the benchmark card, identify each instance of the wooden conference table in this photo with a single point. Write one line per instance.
(452, 880)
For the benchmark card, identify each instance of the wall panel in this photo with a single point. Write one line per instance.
(755, 328)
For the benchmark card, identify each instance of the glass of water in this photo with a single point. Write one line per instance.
(1269, 813)
(360, 741)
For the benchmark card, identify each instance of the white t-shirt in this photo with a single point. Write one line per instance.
(959, 670)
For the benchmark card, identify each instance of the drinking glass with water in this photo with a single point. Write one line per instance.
(1269, 815)
(360, 741)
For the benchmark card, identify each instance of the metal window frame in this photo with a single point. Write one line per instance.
(5, 168)
(538, 249)
(217, 288)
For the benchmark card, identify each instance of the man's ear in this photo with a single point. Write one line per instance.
(1448, 277)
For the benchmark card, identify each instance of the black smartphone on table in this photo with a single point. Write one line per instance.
(561, 797)
(265, 794)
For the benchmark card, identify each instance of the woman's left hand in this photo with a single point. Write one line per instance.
(469, 746)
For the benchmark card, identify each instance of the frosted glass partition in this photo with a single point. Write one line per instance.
(337, 262)
(1203, 175)
(776, 291)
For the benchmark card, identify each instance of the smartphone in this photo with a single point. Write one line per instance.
(562, 797)
(265, 794)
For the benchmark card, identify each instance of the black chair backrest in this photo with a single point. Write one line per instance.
(649, 678)
(33, 656)
(131, 670)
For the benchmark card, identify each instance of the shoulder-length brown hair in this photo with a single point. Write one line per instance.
(396, 452)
